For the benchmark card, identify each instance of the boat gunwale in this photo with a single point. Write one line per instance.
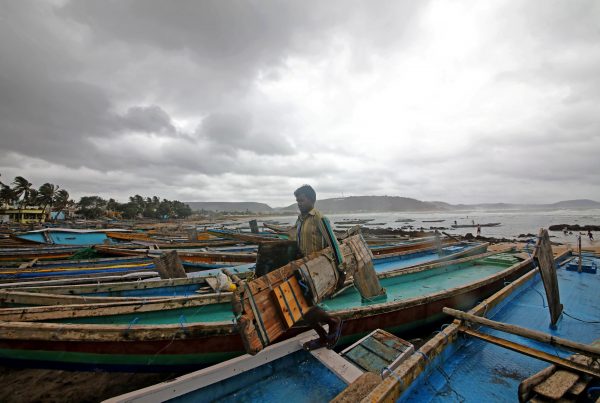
(229, 326)
(391, 389)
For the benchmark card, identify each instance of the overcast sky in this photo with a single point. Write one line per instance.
(458, 101)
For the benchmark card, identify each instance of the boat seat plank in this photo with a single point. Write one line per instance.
(346, 370)
(366, 360)
(385, 352)
(557, 384)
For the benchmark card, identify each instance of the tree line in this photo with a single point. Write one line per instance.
(137, 206)
(21, 193)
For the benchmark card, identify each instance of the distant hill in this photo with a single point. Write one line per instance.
(230, 206)
(372, 204)
(566, 204)
(361, 204)
(575, 204)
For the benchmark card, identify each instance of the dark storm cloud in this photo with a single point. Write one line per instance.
(130, 95)
(149, 119)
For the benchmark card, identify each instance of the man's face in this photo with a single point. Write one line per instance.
(304, 203)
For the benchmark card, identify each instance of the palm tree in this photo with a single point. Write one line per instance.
(61, 200)
(47, 194)
(22, 187)
(7, 195)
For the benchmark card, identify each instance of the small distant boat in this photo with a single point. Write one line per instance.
(354, 221)
(404, 220)
(434, 220)
(490, 224)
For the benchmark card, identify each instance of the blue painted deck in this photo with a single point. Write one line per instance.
(67, 238)
(482, 372)
(297, 377)
(383, 264)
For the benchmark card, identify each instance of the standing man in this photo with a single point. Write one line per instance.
(312, 235)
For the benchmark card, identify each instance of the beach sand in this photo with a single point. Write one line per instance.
(44, 385)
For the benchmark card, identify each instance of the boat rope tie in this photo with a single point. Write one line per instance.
(394, 375)
(133, 322)
(442, 332)
(507, 283)
(182, 319)
(423, 354)
(485, 307)
(306, 290)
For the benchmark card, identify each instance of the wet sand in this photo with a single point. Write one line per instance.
(44, 385)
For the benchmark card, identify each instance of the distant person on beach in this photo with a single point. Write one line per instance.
(565, 230)
(311, 235)
(590, 235)
(478, 229)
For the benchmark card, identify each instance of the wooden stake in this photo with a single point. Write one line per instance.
(531, 352)
(580, 259)
(521, 331)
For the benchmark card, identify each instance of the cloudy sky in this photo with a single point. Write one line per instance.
(459, 101)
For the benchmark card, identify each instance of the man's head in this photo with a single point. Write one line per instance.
(306, 198)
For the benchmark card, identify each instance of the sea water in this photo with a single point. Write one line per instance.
(513, 222)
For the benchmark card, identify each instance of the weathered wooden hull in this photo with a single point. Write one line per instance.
(41, 253)
(193, 345)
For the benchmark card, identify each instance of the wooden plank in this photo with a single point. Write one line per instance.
(366, 360)
(376, 347)
(544, 258)
(530, 334)
(300, 298)
(282, 294)
(358, 389)
(541, 355)
(169, 265)
(28, 264)
(212, 282)
(557, 384)
(390, 340)
(336, 364)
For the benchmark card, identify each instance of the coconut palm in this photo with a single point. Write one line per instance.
(47, 194)
(61, 200)
(22, 189)
(7, 195)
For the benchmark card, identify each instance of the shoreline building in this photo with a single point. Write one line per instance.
(26, 215)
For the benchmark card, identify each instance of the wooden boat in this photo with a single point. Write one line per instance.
(35, 294)
(194, 337)
(479, 366)
(490, 224)
(282, 372)
(382, 263)
(247, 236)
(278, 229)
(78, 268)
(434, 220)
(354, 221)
(67, 236)
(136, 276)
(38, 252)
(412, 244)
